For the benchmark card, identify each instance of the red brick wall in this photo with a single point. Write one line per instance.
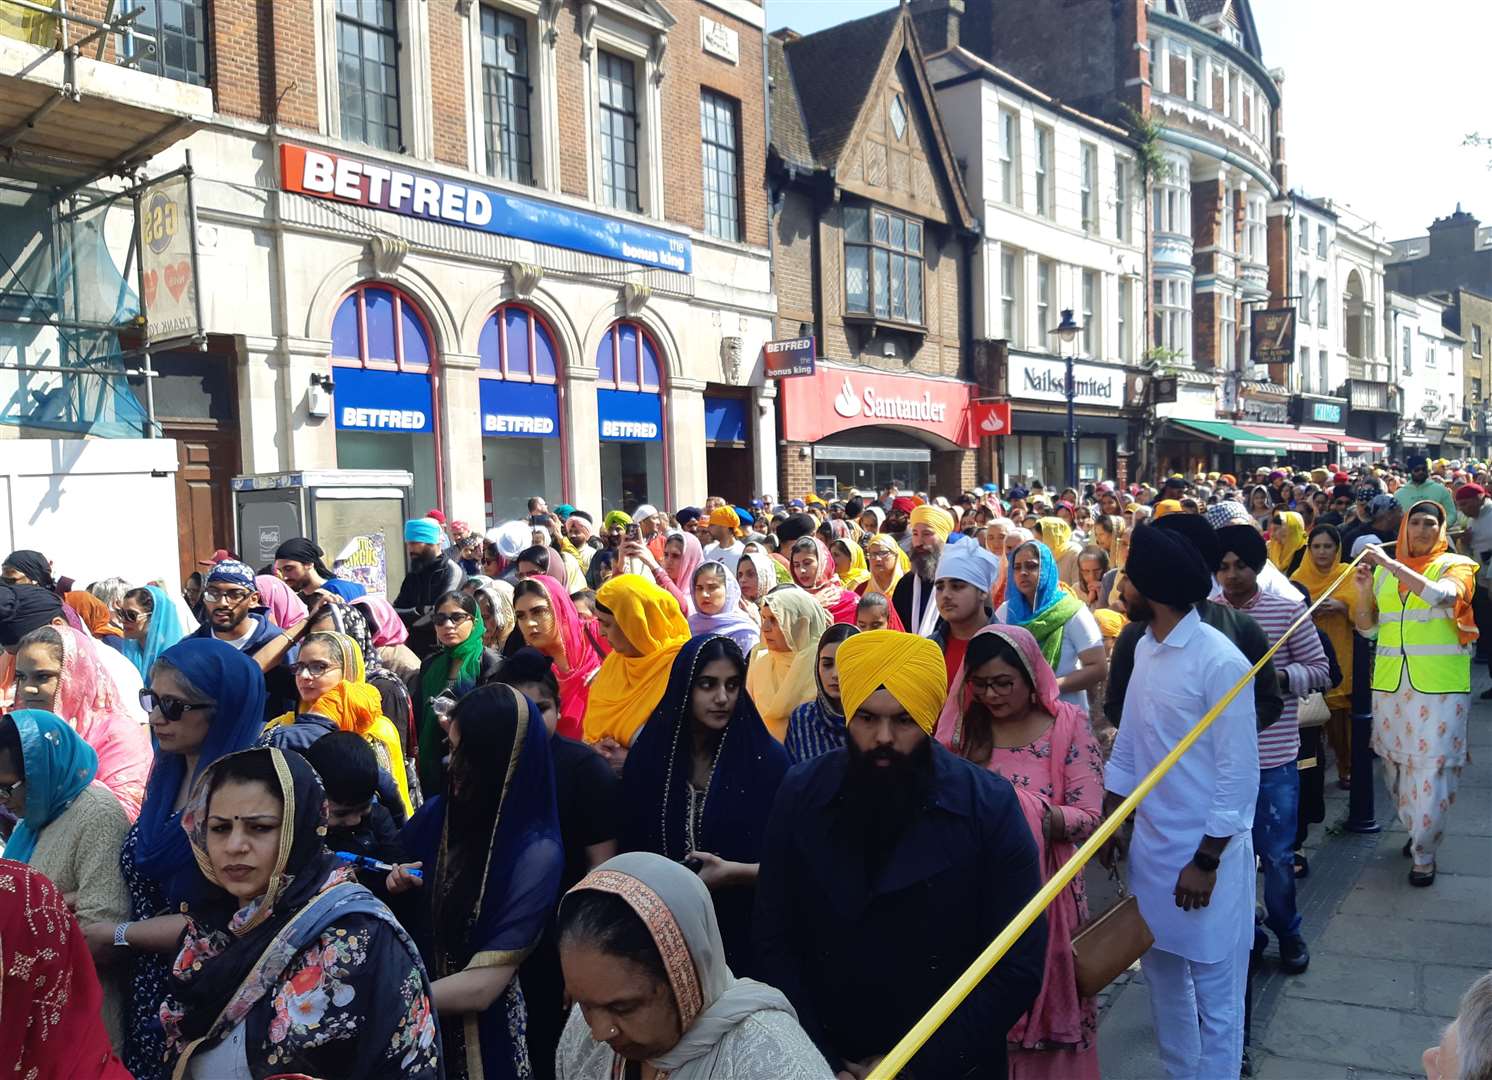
(570, 83)
(795, 470)
(792, 263)
(448, 81)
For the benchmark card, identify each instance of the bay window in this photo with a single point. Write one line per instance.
(882, 265)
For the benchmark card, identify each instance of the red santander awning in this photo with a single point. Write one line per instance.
(1290, 437)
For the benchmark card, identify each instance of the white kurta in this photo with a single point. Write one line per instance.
(730, 556)
(1211, 791)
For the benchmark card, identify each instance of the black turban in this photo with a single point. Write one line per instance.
(301, 550)
(23, 608)
(1246, 542)
(33, 564)
(798, 525)
(1198, 533)
(1165, 568)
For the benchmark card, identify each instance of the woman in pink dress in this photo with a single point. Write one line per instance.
(813, 570)
(1004, 713)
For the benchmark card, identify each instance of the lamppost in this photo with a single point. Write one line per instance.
(1066, 330)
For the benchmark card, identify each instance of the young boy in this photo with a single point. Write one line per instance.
(356, 820)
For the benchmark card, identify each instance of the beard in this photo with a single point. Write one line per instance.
(1138, 609)
(925, 562)
(883, 800)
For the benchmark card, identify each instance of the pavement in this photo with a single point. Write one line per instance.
(1389, 962)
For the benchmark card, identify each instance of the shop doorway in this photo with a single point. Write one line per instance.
(729, 472)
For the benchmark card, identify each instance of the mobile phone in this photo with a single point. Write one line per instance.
(632, 532)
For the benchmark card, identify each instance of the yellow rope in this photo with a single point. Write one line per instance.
(933, 1019)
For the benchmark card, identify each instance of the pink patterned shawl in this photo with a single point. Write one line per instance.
(284, 607)
(88, 700)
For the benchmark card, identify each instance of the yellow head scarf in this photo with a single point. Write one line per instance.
(1056, 534)
(858, 570)
(934, 517)
(886, 542)
(779, 682)
(909, 666)
(355, 705)
(1286, 539)
(627, 689)
(1335, 624)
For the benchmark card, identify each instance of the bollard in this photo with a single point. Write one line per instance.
(1360, 813)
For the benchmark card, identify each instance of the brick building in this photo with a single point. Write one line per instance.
(873, 238)
(523, 242)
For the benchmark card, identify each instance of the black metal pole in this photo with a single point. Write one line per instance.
(1072, 430)
(1360, 813)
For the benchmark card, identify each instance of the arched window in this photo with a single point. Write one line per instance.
(628, 359)
(377, 326)
(517, 345)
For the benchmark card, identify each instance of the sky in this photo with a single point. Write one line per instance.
(1378, 98)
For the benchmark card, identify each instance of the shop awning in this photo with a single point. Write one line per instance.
(1292, 439)
(1242, 440)
(1353, 445)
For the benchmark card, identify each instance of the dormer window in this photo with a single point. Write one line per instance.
(882, 265)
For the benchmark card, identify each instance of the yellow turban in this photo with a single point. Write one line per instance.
(1166, 506)
(909, 666)
(724, 515)
(935, 518)
(1110, 622)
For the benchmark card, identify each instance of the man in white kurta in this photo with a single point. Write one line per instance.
(1197, 969)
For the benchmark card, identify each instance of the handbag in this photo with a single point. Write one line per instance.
(1110, 944)
(1313, 711)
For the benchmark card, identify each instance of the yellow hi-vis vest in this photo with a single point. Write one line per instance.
(1412, 634)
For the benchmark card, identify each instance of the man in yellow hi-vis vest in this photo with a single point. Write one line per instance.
(1418, 605)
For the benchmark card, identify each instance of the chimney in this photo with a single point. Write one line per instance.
(937, 23)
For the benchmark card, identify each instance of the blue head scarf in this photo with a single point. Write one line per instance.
(165, 630)
(1018, 610)
(58, 764)
(235, 682)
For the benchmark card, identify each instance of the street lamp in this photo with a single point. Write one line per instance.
(1065, 331)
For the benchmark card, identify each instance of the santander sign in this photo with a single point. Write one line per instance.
(839, 399)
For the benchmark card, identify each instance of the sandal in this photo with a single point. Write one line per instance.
(1422, 878)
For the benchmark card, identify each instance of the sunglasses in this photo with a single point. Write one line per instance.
(170, 708)
(449, 618)
(313, 668)
(132, 616)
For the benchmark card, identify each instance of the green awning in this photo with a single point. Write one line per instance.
(1244, 442)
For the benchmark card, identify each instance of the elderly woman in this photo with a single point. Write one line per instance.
(1417, 603)
(644, 962)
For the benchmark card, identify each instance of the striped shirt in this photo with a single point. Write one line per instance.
(1301, 661)
(810, 733)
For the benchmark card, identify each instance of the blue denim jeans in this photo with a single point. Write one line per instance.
(1274, 840)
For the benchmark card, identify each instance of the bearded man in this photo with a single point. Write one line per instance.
(895, 843)
(429, 576)
(913, 596)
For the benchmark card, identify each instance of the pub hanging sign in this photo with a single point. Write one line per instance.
(1272, 336)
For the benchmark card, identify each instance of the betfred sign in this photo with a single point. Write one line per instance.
(788, 359)
(837, 399)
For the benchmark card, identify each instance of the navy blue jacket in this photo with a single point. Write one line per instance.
(863, 958)
(279, 684)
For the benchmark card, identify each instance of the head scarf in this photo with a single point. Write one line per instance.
(910, 667)
(829, 708)
(627, 689)
(678, 911)
(779, 682)
(581, 660)
(227, 937)
(938, 520)
(164, 631)
(58, 765)
(25, 607)
(299, 549)
(500, 595)
(732, 621)
(693, 556)
(1055, 533)
(1286, 539)
(33, 564)
(89, 701)
(886, 542)
(766, 572)
(1047, 614)
(1228, 512)
(232, 680)
(50, 989)
(281, 603)
(388, 628)
(749, 764)
(1457, 567)
(859, 571)
(825, 588)
(1039, 674)
(94, 613)
(465, 660)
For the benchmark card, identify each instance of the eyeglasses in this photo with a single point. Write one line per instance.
(237, 596)
(313, 669)
(130, 615)
(1002, 685)
(449, 618)
(170, 708)
(7, 790)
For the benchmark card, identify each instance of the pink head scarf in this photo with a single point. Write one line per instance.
(693, 556)
(839, 602)
(580, 655)
(1038, 671)
(284, 607)
(388, 628)
(89, 702)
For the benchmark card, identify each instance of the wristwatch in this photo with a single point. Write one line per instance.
(1205, 862)
(119, 935)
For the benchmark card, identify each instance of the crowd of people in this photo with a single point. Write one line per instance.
(732, 792)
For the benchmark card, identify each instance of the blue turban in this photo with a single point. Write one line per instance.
(421, 531)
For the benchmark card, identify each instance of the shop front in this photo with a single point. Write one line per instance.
(629, 408)
(848, 429)
(728, 443)
(519, 378)
(1036, 448)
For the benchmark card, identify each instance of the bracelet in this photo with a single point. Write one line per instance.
(1205, 862)
(119, 935)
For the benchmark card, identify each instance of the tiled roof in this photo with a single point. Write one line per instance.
(789, 134)
(833, 71)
